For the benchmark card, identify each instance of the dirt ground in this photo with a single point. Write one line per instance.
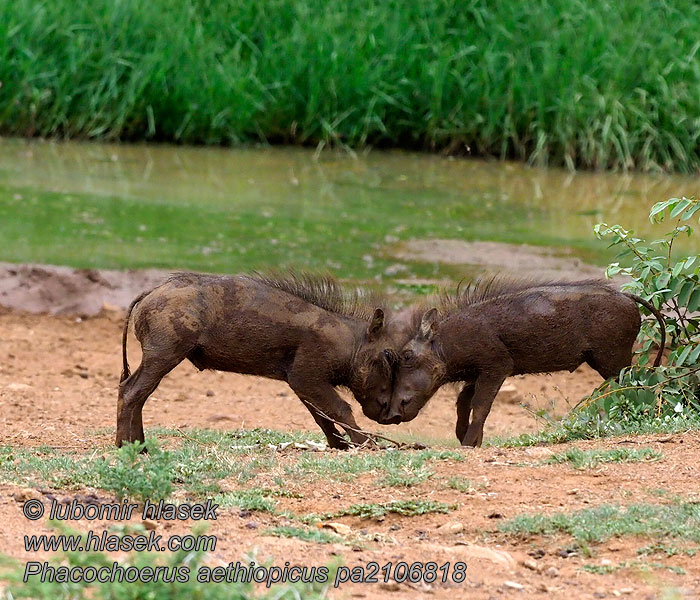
(58, 382)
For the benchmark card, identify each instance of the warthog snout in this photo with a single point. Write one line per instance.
(391, 416)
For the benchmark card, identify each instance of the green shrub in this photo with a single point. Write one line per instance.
(137, 475)
(671, 391)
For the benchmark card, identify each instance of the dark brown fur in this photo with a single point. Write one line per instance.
(496, 328)
(299, 328)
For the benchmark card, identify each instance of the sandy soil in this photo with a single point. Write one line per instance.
(58, 379)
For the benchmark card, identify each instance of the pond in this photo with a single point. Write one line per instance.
(231, 210)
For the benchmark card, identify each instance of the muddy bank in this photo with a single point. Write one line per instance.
(63, 290)
(494, 257)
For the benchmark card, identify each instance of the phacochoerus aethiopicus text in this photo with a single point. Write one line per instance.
(500, 328)
(302, 329)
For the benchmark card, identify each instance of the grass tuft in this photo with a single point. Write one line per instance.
(598, 83)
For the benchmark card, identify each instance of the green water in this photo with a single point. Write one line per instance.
(230, 210)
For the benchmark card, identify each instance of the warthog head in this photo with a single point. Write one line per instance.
(373, 369)
(419, 371)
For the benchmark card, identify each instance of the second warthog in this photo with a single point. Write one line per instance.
(301, 329)
(500, 328)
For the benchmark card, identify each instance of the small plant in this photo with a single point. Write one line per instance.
(252, 499)
(589, 459)
(595, 525)
(407, 508)
(138, 475)
(308, 535)
(405, 478)
(463, 485)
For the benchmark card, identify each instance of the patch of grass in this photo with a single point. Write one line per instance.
(579, 427)
(589, 459)
(462, 484)
(138, 476)
(396, 464)
(597, 84)
(243, 441)
(252, 499)
(306, 534)
(635, 564)
(666, 549)
(406, 508)
(405, 478)
(595, 525)
(192, 466)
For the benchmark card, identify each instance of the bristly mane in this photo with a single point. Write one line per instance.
(323, 291)
(485, 288)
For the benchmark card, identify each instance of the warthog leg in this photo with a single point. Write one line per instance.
(464, 408)
(334, 437)
(133, 393)
(316, 394)
(486, 388)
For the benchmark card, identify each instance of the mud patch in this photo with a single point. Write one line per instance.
(63, 290)
(520, 259)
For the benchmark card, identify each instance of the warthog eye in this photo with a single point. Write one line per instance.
(389, 356)
(408, 355)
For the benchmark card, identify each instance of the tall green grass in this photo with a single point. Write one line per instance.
(592, 83)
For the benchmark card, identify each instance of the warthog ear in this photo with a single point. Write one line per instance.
(428, 325)
(375, 327)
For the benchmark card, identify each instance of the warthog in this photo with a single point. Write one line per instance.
(301, 329)
(500, 328)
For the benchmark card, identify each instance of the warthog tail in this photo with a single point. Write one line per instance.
(659, 317)
(125, 369)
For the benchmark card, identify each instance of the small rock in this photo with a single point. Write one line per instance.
(451, 527)
(113, 308)
(18, 387)
(390, 587)
(539, 452)
(394, 269)
(339, 528)
(26, 494)
(528, 563)
(251, 525)
(509, 393)
(210, 393)
(495, 515)
(219, 417)
(552, 572)
(514, 585)
(474, 552)
(150, 525)
(244, 514)
(626, 590)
